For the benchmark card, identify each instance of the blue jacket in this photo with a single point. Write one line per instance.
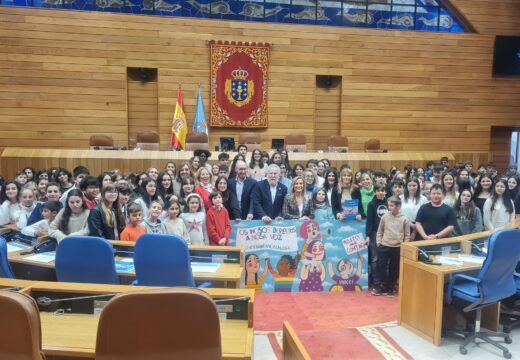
(246, 205)
(261, 198)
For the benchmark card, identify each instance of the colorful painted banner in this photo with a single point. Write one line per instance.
(295, 255)
(239, 84)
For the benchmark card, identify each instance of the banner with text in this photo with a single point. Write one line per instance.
(296, 255)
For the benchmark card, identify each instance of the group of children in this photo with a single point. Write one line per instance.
(200, 210)
(193, 225)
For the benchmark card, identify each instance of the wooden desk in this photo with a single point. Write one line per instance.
(11, 283)
(421, 289)
(293, 348)
(74, 335)
(228, 274)
(97, 161)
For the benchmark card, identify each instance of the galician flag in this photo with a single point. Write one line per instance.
(179, 125)
(200, 125)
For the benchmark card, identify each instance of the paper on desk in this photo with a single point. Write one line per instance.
(11, 247)
(125, 265)
(204, 267)
(446, 260)
(45, 257)
(472, 259)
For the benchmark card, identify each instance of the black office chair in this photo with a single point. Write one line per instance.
(510, 312)
(493, 283)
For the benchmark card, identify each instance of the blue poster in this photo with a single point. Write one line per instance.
(350, 209)
(297, 255)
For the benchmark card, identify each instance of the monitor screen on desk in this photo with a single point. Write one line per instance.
(227, 144)
(277, 144)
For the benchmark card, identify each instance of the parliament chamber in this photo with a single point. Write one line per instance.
(412, 91)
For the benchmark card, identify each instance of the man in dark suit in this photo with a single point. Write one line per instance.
(268, 196)
(242, 187)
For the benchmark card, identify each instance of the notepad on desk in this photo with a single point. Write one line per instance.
(472, 259)
(447, 260)
(204, 267)
(45, 257)
(12, 247)
(125, 265)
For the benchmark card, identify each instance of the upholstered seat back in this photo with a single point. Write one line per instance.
(148, 140)
(177, 323)
(296, 142)
(101, 141)
(337, 143)
(20, 328)
(197, 140)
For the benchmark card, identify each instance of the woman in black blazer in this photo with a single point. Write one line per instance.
(106, 220)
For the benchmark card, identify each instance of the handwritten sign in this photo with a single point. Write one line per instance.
(354, 243)
(268, 237)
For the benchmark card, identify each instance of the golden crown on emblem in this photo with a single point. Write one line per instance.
(239, 74)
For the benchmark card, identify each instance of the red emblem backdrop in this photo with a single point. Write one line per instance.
(239, 85)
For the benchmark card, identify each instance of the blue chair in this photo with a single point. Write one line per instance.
(5, 268)
(86, 259)
(162, 260)
(493, 283)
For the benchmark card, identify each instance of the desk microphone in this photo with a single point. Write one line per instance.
(247, 298)
(425, 258)
(210, 258)
(481, 250)
(45, 301)
(15, 288)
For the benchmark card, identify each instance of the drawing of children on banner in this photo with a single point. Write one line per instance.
(313, 272)
(289, 255)
(309, 231)
(284, 278)
(253, 280)
(346, 281)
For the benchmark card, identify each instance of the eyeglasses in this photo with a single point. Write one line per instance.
(112, 192)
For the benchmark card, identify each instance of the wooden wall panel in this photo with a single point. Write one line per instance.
(63, 77)
(327, 114)
(491, 17)
(500, 153)
(143, 114)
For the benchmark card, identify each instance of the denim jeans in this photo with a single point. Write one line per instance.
(373, 275)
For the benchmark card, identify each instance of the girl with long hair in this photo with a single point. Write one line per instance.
(10, 209)
(499, 209)
(469, 217)
(147, 193)
(257, 167)
(449, 189)
(333, 190)
(482, 191)
(106, 220)
(72, 219)
(165, 186)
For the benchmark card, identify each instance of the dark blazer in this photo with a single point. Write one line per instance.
(261, 198)
(246, 205)
(335, 202)
(97, 224)
(231, 206)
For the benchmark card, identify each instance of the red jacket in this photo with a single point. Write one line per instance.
(204, 194)
(218, 224)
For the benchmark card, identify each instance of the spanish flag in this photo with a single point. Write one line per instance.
(179, 125)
